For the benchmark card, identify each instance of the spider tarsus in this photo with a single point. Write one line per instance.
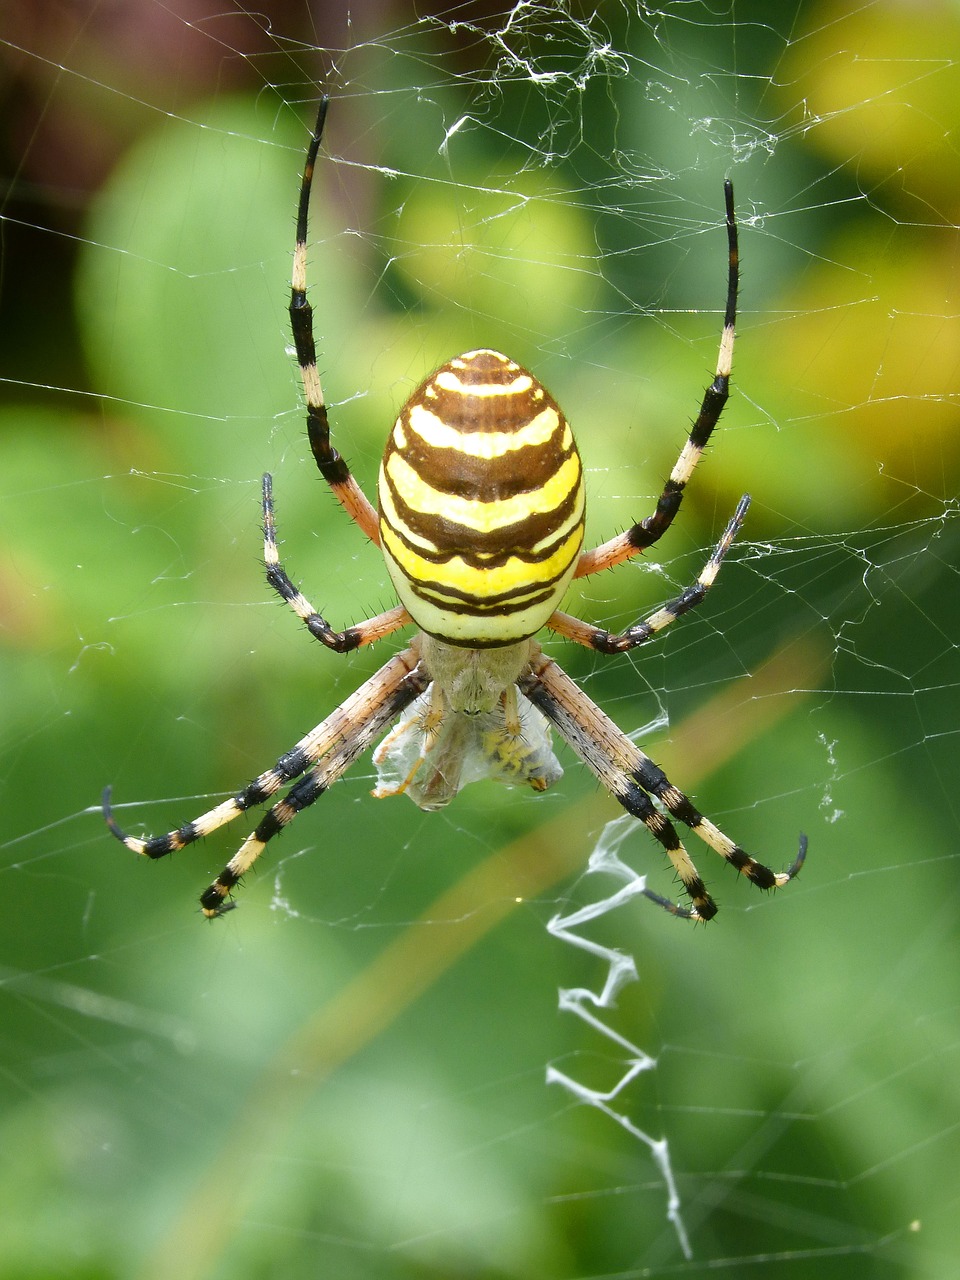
(322, 116)
(108, 817)
(795, 866)
(764, 878)
(311, 159)
(743, 506)
(728, 200)
(757, 874)
(679, 910)
(112, 824)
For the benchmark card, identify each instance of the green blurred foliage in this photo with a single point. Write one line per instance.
(806, 1042)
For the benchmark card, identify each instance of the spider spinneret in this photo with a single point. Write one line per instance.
(481, 525)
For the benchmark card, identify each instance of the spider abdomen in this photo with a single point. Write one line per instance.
(481, 502)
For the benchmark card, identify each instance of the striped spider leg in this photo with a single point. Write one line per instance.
(329, 462)
(630, 776)
(317, 760)
(480, 520)
(635, 781)
(650, 530)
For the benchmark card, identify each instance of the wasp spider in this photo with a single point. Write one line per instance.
(480, 521)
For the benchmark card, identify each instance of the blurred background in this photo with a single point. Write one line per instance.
(346, 1076)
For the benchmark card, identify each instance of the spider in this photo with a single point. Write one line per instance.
(481, 524)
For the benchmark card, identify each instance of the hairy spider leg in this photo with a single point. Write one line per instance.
(331, 464)
(384, 624)
(650, 530)
(633, 778)
(608, 642)
(326, 751)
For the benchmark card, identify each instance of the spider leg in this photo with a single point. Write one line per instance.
(648, 531)
(214, 901)
(331, 465)
(340, 641)
(608, 642)
(632, 778)
(343, 736)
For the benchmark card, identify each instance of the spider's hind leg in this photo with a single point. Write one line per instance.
(352, 728)
(632, 778)
(321, 756)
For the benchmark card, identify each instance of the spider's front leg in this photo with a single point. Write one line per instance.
(331, 465)
(633, 778)
(651, 529)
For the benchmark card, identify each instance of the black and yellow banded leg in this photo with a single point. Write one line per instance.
(355, 637)
(633, 778)
(610, 642)
(393, 697)
(359, 719)
(650, 530)
(330, 463)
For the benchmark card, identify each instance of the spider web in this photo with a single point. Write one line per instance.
(364, 1070)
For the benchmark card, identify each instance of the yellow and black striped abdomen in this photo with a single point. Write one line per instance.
(481, 503)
